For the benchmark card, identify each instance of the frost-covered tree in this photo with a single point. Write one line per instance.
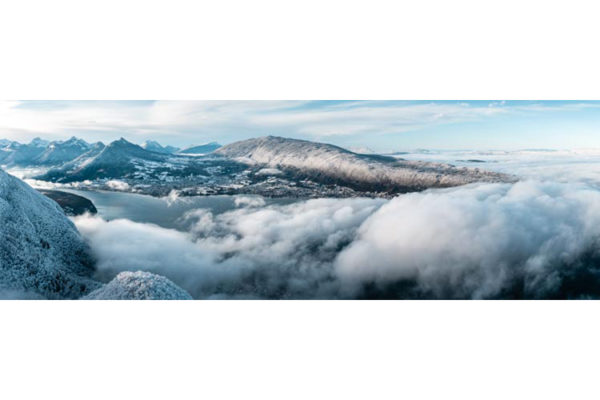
(139, 285)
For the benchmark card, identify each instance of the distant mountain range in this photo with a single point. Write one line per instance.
(61, 152)
(270, 166)
(152, 145)
(124, 160)
(15, 153)
(41, 152)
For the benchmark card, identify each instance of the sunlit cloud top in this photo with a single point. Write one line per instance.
(380, 125)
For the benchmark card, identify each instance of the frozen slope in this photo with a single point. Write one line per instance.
(331, 164)
(41, 251)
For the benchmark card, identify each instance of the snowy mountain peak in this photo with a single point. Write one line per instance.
(153, 145)
(123, 143)
(76, 141)
(5, 142)
(38, 142)
(122, 140)
(59, 152)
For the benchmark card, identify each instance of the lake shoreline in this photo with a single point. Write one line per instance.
(168, 212)
(71, 203)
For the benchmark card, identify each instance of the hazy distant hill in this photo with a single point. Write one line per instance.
(116, 160)
(17, 154)
(59, 152)
(40, 152)
(201, 149)
(331, 164)
(84, 158)
(152, 145)
(4, 143)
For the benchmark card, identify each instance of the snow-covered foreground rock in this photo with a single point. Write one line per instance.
(41, 252)
(139, 286)
(529, 240)
(43, 256)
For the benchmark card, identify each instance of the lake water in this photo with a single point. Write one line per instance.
(160, 211)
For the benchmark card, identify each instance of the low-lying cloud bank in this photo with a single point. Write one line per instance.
(531, 240)
(523, 240)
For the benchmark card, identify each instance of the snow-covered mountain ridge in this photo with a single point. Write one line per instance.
(331, 163)
(269, 166)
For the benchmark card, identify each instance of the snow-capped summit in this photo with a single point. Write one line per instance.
(59, 152)
(332, 164)
(123, 150)
(41, 152)
(112, 161)
(153, 145)
(139, 285)
(22, 154)
(5, 143)
(41, 252)
(75, 141)
(38, 142)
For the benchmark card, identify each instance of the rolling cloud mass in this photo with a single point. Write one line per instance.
(537, 238)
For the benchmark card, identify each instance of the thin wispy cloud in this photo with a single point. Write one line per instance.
(186, 122)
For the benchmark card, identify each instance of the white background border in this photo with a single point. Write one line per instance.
(299, 50)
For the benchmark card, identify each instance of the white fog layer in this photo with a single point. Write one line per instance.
(537, 238)
(275, 251)
(535, 235)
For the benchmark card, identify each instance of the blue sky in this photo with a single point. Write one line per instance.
(380, 125)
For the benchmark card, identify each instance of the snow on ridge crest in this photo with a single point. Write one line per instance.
(341, 164)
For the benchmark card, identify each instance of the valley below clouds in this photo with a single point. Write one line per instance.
(537, 238)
